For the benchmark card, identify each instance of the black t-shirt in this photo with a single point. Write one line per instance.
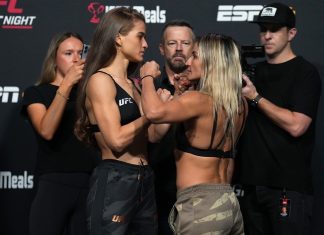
(64, 153)
(268, 155)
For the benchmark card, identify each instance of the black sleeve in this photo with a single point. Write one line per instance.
(306, 92)
(30, 96)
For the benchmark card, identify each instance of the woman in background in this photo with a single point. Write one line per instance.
(64, 164)
(211, 119)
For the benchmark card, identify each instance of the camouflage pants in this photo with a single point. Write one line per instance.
(121, 200)
(206, 209)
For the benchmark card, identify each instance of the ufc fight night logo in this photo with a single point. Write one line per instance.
(9, 94)
(14, 19)
(232, 13)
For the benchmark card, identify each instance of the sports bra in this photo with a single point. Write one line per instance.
(184, 145)
(128, 108)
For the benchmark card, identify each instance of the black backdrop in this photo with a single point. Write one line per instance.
(26, 27)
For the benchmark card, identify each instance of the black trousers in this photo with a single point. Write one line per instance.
(263, 212)
(122, 200)
(59, 206)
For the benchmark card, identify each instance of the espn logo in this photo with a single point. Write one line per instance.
(7, 92)
(237, 13)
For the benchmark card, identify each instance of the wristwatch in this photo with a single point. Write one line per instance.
(254, 102)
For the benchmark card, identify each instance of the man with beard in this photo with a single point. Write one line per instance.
(176, 46)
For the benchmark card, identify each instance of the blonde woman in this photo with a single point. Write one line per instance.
(211, 119)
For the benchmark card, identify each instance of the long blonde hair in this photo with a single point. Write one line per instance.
(221, 76)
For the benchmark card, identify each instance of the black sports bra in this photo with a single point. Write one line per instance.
(128, 108)
(184, 145)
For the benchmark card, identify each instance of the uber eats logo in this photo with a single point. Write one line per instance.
(157, 15)
(8, 180)
(230, 13)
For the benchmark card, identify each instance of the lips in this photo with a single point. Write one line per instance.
(179, 57)
(268, 45)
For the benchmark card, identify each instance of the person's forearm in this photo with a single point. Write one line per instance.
(125, 135)
(294, 123)
(150, 99)
(53, 116)
(157, 131)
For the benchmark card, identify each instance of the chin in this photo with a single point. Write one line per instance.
(137, 60)
(178, 63)
(269, 50)
(270, 53)
(194, 79)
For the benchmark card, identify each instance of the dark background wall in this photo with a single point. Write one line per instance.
(26, 26)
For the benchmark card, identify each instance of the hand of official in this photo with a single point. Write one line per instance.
(249, 91)
(181, 83)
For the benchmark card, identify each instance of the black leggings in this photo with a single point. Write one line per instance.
(122, 200)
(59, 204)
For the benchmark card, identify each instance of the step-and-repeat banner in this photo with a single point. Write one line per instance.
(26, 27)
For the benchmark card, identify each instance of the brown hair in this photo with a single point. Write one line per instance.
(101, 54)
(49, 65)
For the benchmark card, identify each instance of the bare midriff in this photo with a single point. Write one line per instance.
(193, 170)
(135, 153)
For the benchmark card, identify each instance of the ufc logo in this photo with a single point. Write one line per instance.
(12, 8)
(125, 101)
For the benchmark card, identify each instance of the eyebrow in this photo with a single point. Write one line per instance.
(175, 40)
(141, 34)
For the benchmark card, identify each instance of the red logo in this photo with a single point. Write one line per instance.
(11, 6)
(14, 19)
(95, 9)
